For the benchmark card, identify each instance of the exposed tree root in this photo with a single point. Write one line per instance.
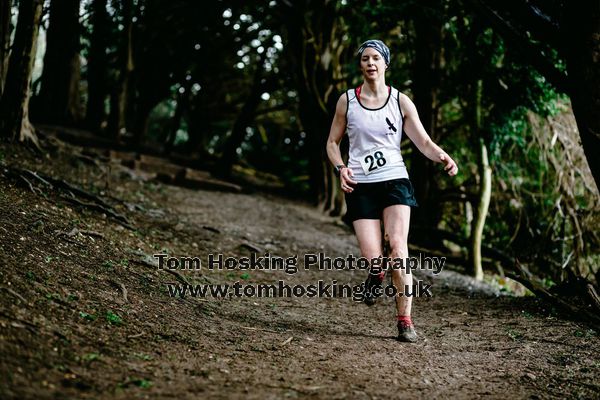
(69, 192)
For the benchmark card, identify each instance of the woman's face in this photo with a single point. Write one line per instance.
(372, 64)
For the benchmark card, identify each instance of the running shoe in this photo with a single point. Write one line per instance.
(372, 281)
(406, 332)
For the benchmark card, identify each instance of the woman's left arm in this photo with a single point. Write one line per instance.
(416, 132)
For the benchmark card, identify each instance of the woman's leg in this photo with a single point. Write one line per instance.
(396, 221)
(368, 234)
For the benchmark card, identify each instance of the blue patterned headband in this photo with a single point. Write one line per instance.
(377, 45)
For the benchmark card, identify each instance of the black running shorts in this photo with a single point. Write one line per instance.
(368, 200)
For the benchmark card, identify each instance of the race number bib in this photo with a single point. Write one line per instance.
(375, 160)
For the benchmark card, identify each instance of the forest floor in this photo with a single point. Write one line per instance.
(86, 313)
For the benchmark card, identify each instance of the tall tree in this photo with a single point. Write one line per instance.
(426, 71)
(183, 105)
(5, 9)
(195, 35)
(152, 57)
(14, 105)
(581, 49)
(59, 99)
(120, 94)
(314, 48)
(243, 120)
(97, 70)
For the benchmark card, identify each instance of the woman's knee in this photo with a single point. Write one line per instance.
(398, 246)
(371, 253)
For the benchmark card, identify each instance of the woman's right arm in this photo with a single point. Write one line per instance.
(338, 128)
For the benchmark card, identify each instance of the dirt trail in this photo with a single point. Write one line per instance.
(82, 316)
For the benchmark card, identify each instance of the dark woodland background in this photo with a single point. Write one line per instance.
(511, 89)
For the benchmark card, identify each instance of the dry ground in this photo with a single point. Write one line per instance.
(67, 329)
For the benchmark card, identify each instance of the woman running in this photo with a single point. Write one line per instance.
(375, 182)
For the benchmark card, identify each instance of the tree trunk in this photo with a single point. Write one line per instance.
(244, 118)
(59, 100)
(314, 49)
(150, 89)
(142, 116)
(428, 32)
(199, 121)
(5, 14)
(14, 105)
(183, 104)
(140, 126)
(582, 30)
(97, 66)
(119, 97)
(485, 189)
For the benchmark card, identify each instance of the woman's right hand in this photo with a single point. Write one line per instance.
(346, 181)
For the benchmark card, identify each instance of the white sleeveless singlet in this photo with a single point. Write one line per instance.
(374, 136)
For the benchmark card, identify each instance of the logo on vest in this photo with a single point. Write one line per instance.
(390, 127)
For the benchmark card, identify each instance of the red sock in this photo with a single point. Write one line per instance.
(405, 320)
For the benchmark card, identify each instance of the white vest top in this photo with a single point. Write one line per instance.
(375, 136)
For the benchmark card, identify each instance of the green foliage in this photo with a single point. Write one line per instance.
(588, 333)
(108, 265)
(524, 211)
(526, 315)
(139, 382)
(514, 335)
(88, 317)
(53, 296)
(143, 356)
(89, 357)
(30, 276)
(113, 318)
(72, 297)
(522, 218)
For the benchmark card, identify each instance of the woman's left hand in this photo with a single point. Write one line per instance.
(450, 166)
